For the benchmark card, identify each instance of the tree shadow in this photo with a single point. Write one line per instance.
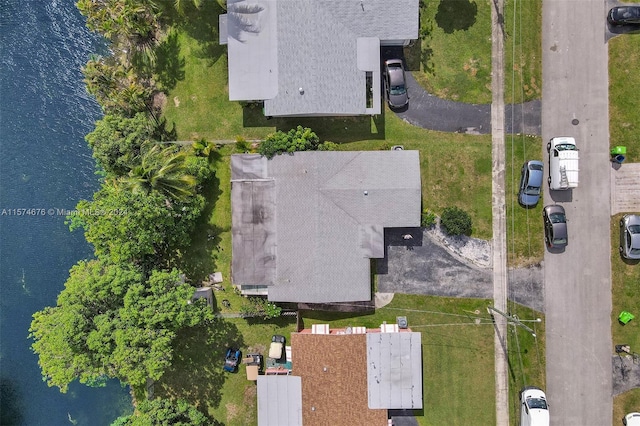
(334, 129)
(169, 67)
(198, 261)
(202, 25)
(454, 15)
(196, 373)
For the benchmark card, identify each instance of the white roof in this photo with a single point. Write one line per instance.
(279, 401)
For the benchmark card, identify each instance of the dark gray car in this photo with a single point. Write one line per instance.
(630, 236)
(395, 83)
(530, 183)
(555, 226)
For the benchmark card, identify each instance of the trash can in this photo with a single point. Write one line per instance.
(625, 317)
(617, 150)
(618, 158)
(618, 154)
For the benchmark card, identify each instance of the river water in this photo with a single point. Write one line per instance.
(45, 167)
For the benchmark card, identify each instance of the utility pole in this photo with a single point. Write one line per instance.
(513, 319)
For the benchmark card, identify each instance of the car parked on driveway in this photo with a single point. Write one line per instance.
(231, 360)
(555, 226)
(630, 236)
(530, 183)
(395, 83)
(624, 15)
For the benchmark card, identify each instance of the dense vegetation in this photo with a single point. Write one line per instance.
(120, 313)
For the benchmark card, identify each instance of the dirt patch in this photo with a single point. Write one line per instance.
(232, 411)
(176, 101)
(159, 101)
(250, 393)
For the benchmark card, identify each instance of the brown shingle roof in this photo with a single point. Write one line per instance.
(339, 394)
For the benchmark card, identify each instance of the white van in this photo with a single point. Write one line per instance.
(563, 163)
(534, 410)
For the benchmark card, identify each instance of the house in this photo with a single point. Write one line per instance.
(306, 226)
(313, 57)
(350, 376)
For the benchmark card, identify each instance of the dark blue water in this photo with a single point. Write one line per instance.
(44, 164)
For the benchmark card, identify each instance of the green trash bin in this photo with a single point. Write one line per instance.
(618, 150)
(625, 317)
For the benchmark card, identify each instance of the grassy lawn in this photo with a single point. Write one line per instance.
(526, 356)
(522, 51)
(624, 404)
(626, 292)
(525, 237)
(452, 59)
(624, 110)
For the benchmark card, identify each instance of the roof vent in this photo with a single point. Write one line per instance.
(366, 192)
(301, 90)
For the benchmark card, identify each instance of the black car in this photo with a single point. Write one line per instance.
(395, 83)
(624, 15)
(555, 226)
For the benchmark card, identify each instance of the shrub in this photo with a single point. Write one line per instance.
(456, 221)
(298, 139)
(328, 146)
(428, 218)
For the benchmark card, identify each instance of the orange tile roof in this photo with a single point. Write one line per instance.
(333, 369)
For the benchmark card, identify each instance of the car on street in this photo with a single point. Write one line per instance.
(395, 83)
(631, 419)
(231, 360)
(630, 236)
(277, 346)
(624, 15)
(534, 410)
(555, 226)
(530, 183)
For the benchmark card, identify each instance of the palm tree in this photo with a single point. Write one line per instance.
(164, 171)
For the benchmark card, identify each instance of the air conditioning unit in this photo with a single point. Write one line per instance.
(402, 322)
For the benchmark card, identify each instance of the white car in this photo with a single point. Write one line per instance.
(534, 410)
(632, 419)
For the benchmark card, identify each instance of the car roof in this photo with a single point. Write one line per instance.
(535, 174)
(554, 208)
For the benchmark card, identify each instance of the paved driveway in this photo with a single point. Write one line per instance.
(427, 264)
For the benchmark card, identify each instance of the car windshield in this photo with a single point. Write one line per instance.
(398, 90)
(634, 229)
(566, 147)
(635, 251)
(559, 241)
(557, 218)
(537, 403)
(532, 190)
(535, 166)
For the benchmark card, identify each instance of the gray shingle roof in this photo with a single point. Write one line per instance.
(330, 208)
(312, 45)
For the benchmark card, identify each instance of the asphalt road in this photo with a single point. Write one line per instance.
(578, 280)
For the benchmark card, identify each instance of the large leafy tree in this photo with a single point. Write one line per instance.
(117, 141)
(146, 229)
(110, 321)
(162, 412)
